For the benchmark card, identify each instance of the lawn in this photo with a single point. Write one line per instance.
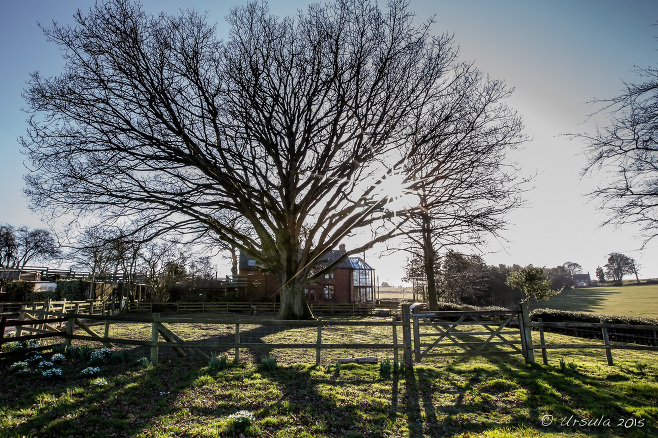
(577, 395)
(629, 300)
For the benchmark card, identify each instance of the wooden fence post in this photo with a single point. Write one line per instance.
(417, 340)
(70, 323)
(237, 341)
(606, 341)
(154, 338)
(526, 333)
(3, 321)
(395, 343)
(21, 317)
(543, 342)
(319, 343)
(406, 335)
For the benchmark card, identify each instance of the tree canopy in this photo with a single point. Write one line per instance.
(627, 148)
(533, 281)
(19, 246)
(293, 125)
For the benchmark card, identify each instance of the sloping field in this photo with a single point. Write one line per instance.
(629, 300)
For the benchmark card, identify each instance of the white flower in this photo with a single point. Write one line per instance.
(58, 357)
(242, 415)
(51, 372)
(100, 381)
(18, 366)
(90, 371)
(45, 364)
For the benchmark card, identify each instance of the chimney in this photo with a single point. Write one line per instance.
(341, 247)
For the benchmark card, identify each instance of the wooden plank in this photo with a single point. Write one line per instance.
(171, 337)
(89, 330)
(3, 321)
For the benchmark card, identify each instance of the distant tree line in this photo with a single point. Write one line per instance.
(468, 279)
(106, 252)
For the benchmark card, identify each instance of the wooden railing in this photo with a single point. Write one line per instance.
(649, 339)
(383, 309)
(172, 340)
(42, 324)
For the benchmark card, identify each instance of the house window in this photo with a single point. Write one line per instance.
(329, 275)
(310, 294)
(328, 292)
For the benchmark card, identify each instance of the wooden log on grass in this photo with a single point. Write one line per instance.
(368, 359)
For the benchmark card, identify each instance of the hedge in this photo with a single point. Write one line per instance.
(73, 290)
(628, 335)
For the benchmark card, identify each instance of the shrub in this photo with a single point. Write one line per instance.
(217, 364)
(99, 357)
(19, 290)
(73, 290)
(58, 357)
(82, 353)
(17, 366)
(239, 423)
(269, 363)
(385, 368)
(52, 372)
(143, 362)
(337, 369)
(119, 357)
(90, 371)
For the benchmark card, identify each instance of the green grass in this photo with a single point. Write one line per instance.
(476, 397)
(629, 300)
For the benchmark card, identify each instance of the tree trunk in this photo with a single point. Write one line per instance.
(429, 259)
(293, 302)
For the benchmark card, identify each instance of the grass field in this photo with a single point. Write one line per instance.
(576, 395)
(628, 300)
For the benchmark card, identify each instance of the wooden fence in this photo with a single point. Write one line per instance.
(381, 309)
(88, 306)
(650, 334)
(170, 339)
(495, 332)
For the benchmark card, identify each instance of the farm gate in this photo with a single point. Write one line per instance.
(454, 333)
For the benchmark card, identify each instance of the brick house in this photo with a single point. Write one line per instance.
(351, 281)
(582, 280)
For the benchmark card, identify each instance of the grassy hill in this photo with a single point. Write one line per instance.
(630, 300)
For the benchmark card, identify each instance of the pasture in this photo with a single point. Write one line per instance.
(629, 300)
(575, 395)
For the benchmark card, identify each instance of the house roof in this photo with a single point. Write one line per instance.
(246, 262)
(582, 277)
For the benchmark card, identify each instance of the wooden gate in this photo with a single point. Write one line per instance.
(450, 333)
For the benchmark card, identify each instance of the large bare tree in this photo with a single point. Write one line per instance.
(288, 124)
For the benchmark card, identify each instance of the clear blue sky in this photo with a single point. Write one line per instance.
(559, 55)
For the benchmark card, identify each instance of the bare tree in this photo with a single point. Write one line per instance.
(164, 264)
(33, 245)
(288, 124)
(572, 268)
(92, 250)
(627, 148)
(8, 246)
(459, 171)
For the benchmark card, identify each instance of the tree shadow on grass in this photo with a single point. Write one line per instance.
(500, 394)
(579, 300)
(77, 406)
